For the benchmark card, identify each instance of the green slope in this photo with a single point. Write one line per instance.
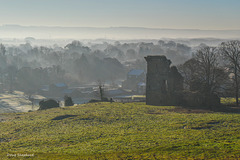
(120, 131)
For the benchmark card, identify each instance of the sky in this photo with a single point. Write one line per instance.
(173, 14)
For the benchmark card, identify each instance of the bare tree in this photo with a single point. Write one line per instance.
(101, 89)
(208, 63)
(231, 53)
(2, 49)
(188, 71)
(203, 73)
(29, 94)
(11, 71)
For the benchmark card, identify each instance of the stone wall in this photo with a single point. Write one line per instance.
(164, 86)
(163, 82)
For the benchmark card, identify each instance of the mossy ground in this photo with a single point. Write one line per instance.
(120, 131)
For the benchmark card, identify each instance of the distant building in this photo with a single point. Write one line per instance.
(135, 80)
(141, 88)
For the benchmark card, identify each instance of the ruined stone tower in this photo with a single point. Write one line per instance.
(163, 83)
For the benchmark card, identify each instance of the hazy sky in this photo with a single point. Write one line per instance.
(177, 14)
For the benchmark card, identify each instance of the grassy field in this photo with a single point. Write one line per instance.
(120, 131)
(229, 101)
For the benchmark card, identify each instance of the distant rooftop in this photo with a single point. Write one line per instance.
(141, 84)
(135, 72)
(60, 84)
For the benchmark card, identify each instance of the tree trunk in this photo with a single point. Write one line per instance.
(236, 83)
(236, 94)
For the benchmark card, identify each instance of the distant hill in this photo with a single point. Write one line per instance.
(43, 32)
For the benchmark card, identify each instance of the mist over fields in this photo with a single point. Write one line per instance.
(79, 57)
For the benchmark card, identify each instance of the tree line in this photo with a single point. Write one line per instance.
(214, 70)
(204, 68)
(26, 67)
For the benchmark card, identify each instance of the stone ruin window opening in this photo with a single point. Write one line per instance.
(164, 86)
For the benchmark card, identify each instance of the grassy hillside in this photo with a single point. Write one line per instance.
(120, 131)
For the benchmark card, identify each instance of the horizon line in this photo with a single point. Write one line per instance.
(130, 27)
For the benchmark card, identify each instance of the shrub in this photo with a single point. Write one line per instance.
(104, 99)
(47, 104)
(68, 101)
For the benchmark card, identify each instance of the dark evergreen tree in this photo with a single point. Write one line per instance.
(68, 101)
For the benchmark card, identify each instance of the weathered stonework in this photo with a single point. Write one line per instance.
(164, 86)
(164, 83)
